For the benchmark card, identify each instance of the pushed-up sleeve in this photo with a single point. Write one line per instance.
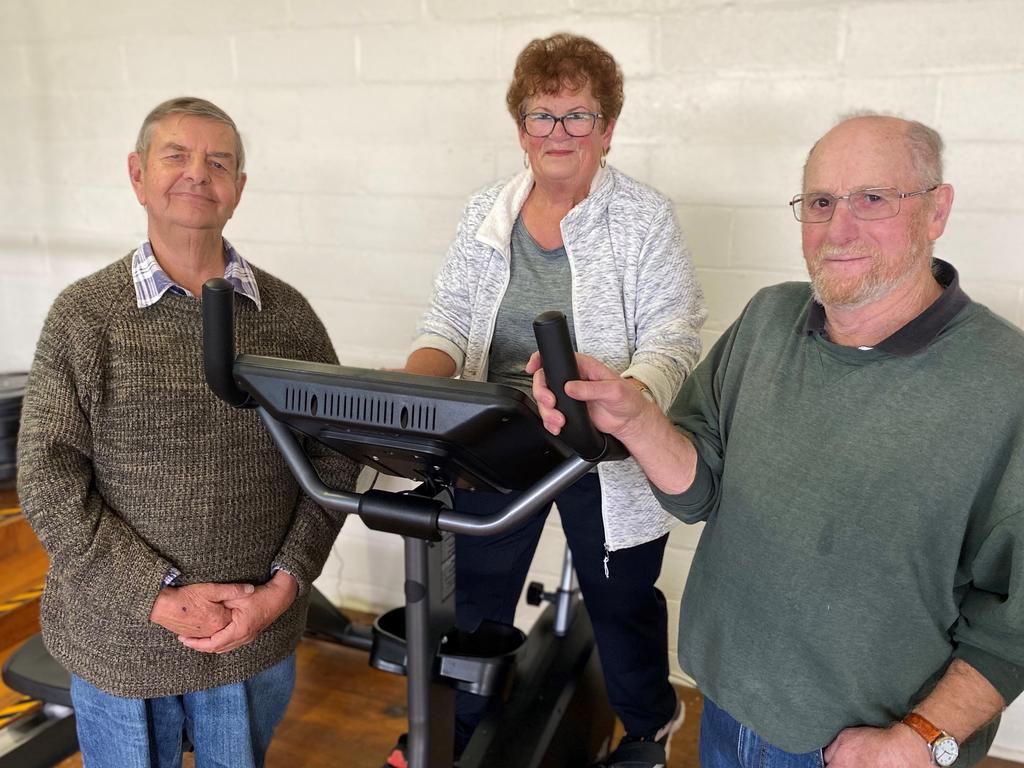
(697, 414)
(669, 311)
(990, 632)
(91, 548)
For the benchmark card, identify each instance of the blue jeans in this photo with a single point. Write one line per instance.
(725, 743)
(230, 726)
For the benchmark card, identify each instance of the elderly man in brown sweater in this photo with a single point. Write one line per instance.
(181, 549)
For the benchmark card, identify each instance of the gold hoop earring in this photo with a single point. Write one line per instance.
(526, 159)
(604, 159)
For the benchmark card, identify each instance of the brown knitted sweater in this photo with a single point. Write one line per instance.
(129, 465)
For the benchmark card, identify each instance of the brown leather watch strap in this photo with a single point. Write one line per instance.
(924, 729)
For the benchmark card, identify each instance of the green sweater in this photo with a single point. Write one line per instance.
(129, 466)
(863, 517)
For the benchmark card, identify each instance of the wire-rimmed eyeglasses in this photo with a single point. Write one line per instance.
(865, 204)
(576, 124)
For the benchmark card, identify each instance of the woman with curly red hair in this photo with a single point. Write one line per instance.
(572, 233)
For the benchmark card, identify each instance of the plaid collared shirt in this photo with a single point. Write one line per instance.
(151, 282)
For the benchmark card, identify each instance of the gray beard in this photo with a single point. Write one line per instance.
(869, 289)
(876, 283)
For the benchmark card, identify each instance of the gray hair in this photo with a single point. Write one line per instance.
(924, 144)
(195, 107)
(925, 152)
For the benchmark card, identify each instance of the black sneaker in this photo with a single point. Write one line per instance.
(646, 751)
(634, 752)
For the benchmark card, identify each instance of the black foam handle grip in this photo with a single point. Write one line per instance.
(579, 433)
(219, 342)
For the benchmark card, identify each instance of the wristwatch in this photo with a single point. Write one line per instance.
(944, 747)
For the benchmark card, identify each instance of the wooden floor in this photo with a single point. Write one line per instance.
(346, 714)
(335, 679)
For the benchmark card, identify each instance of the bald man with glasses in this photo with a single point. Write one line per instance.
(855, 448)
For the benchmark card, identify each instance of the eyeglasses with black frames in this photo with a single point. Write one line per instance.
(865, 204)
(577, 124)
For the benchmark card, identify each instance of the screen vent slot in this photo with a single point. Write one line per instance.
(299, 400)
(361, 409)
(419, 417)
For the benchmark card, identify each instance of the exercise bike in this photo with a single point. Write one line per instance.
(549, 708)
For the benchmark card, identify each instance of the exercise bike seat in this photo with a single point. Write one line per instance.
(31, 670)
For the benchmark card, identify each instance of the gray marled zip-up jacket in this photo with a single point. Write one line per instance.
(637, 307)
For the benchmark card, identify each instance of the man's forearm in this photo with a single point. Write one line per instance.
(666, 456)
(962, 701)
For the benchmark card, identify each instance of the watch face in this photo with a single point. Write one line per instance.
(945, 751)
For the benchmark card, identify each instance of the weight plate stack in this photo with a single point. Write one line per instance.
(12, 391)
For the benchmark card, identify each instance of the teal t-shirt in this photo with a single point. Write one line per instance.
(540, 280)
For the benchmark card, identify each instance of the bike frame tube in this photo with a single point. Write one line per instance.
(516, 513)
(430, 605)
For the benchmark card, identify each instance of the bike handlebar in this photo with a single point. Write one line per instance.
(552, 332)
(219, 342)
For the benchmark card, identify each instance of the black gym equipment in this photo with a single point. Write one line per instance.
(46, 735)
(552, 710)
(12, 390)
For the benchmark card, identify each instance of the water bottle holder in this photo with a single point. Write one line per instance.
(476, 662)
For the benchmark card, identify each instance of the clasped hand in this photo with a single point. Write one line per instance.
(217, 618)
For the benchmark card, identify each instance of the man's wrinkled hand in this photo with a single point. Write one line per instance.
(895, 747)
(196, 610)
(615, 406)
(250, 615)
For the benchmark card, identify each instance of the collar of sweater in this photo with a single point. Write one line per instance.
(496, 229)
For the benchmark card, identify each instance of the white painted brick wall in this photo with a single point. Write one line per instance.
(787, 38)
(429, 52)
(997, 96)
(369, 122)
(495, 10)
(300, 57)
(321, 13)
(910, 96)
(631, 39)
(188, 62)
(744, 110)
(911, 37)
